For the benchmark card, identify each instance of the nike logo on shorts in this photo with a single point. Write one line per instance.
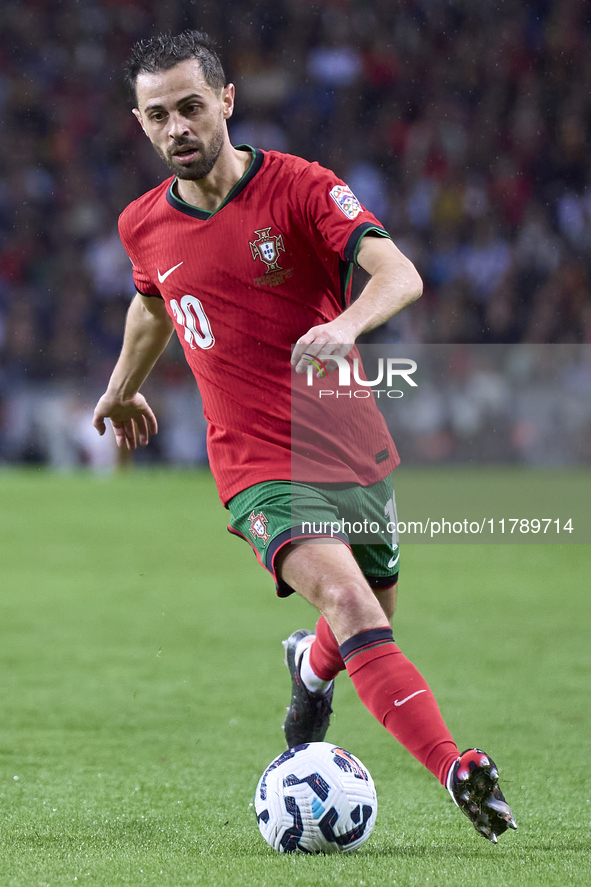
(162, 277)
(393, 560)
(412, 695)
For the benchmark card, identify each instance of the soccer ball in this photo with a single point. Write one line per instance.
(316, 798)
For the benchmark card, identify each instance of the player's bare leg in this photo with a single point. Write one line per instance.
(327, 575)
(308, 715)
(313, 661)
(387, 598)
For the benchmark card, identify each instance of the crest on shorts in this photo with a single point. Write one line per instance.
(258, 526)
(267, 248)
(346, 201)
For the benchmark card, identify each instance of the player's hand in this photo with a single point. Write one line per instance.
(335, 338)
(133, 420)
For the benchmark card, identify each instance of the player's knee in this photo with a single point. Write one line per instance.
(352, 603)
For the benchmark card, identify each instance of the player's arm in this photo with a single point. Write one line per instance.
(147, 331)
(394, 283)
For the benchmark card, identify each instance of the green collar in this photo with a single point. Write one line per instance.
(194, 211)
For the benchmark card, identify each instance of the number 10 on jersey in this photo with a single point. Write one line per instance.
(191, 316)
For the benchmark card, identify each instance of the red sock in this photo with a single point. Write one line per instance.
(400, 698)
(325, 660)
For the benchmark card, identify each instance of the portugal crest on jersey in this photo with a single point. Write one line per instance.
(258, 526)
(267, 249)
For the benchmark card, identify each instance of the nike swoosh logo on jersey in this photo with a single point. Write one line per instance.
(412, 695)
(393, 561)
(162, 277)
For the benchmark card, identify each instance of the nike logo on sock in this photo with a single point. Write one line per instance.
(162, 277)
(412, 695)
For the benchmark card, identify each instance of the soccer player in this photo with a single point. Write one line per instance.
(245, 253)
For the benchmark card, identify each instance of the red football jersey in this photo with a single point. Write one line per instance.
(242, 284)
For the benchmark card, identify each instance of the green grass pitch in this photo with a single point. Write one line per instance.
(142, 693)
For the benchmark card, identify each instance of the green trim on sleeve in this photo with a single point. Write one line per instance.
(375, 232)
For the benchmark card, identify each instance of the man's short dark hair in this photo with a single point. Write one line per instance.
(162, 52)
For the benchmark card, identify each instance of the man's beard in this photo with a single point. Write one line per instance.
(202, 165)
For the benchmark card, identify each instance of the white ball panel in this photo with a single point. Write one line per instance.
(316, 798)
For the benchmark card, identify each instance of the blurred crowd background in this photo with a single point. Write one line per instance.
(462, 124)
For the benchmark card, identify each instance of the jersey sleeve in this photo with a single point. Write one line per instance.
(143, 283)
(334, 214)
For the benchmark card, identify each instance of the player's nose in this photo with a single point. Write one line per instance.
(177, 126)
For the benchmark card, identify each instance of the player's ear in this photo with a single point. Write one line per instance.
(228, 94)
(136, 113)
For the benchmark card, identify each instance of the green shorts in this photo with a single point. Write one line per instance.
(272, 514)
